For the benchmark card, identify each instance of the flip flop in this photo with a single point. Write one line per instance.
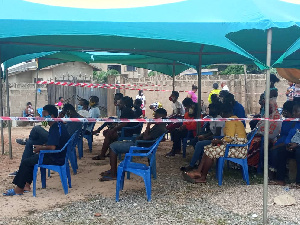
(107, 178)
(98, 157)
(197, 181)
(187, 178)
(10, 192)
(105, 173)
(26, 191)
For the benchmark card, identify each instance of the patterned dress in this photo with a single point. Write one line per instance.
(235, 133)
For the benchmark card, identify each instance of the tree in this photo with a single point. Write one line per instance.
(101, 76)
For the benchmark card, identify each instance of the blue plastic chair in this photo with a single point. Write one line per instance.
(88, 137)
(242, 162)
(136, 131)
(189, 137)
(64, 170)
(40, 111)
(138, 168)
(71, 152)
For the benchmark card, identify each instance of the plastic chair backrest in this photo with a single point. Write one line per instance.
(40, 111)
(23, 113)
(251, 135)
(154, 149)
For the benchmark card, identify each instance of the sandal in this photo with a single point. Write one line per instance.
(187, 178)
(198, 181)
(107, 178)
(10, 192)
(98, 157)
(105, 173)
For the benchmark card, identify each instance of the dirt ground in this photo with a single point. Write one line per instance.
(84, 184)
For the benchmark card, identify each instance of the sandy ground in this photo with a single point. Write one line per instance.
(84, 184)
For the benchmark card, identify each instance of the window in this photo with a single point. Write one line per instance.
(130, 68)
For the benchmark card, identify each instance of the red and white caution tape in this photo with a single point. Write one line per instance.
(89, 85)
(85, 120)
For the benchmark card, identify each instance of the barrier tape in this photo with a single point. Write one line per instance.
(123, 87)
(85, 120)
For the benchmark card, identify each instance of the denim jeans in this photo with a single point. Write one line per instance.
(199, 150)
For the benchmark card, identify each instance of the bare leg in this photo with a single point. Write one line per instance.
(27, 187)
(110, 137)
(113, 163)
(206, 166)
(19, 190)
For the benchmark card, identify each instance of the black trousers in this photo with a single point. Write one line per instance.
(283, 155)
(177, 136)
(37, 136)
(25, 173)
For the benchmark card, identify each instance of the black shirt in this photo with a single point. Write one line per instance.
(58, 136)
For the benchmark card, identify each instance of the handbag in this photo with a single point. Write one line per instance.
(296, 137)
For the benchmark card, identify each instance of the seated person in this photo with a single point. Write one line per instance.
(60, 103)
(57, 137)
(29, 111)
(94, 113)
(39, 136)
(238, 109)
(215, 129)
(253, 123)
(182, 131)
(120, 147)
(138, 112)
(290, 149)
(111, 134)
(287, 112)
(69, 111)
(235, 133)
(83, 108)
(154, 106)
(178, 111)
(117, 100)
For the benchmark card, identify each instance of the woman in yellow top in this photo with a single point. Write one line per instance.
(215, 91)
(235, 133)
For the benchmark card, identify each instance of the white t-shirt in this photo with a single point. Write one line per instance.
(94, 112)
(84, 113)
(178, 105)
(143, 98)
(214, 124)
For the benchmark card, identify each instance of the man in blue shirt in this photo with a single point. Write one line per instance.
(58, 136)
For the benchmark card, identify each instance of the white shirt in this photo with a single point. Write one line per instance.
(143, 98)
(214, 124)
(84, 113)
(225, 88)
(94, 112)
(178, 105)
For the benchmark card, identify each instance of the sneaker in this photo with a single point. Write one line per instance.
(21, 141)
(13, 174)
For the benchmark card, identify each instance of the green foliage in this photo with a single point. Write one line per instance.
(233, 70)
(151, 74)
(101, 76)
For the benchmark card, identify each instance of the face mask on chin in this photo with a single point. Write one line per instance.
(79, 107)
(191, 111)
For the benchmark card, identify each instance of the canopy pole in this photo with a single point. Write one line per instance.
(266, 134)
(199, 88)
(1, 107)
(36, 87)
(8, 114)
(173, 75)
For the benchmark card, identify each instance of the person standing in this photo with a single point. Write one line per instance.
(60, 103)
(224, 86)
(214, 91)
(192, 94)
(143, 98)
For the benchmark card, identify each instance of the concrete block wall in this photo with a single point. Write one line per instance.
(238, 84)
(20, 94)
